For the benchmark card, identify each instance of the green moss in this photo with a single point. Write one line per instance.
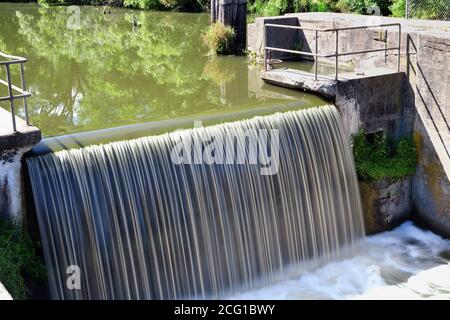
(377, 158)
(18, 260)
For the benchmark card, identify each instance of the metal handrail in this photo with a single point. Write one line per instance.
(336, 54)
(23, 94)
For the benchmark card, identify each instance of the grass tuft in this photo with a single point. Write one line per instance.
(18, 260)
(219, 38)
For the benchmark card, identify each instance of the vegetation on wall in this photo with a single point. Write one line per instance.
(18, 260)
(376, 157)
(219, 38)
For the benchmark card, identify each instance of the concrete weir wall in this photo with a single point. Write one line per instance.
(428, 69)
(414, 102)
(12, 147)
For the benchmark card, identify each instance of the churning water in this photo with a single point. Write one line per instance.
(139, 225)
(406, 263)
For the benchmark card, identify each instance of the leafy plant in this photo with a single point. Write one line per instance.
(361, 6)
(430, 9)
(376, 158)
(143, 4)
(279, 7)
(18, 260)
(269, 7)
(219, 38)
(82, 2)
(398, 8)
(182, 5)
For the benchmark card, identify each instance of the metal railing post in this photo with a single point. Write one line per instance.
(408, 58)
(316, 60)
(399, 46)
(336, 67)
(407, 8)
(22, 93)
(11, 98)
(265, 51)
(25, 102)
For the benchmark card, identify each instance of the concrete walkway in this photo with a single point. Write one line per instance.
(324, 85)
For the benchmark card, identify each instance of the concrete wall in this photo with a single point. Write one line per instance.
(430, 76)
(284, 38)
(375, 104)
(421, 108)
(12, 147)
(428, 70)
(385, 203)
(10, 184)
(430, 185)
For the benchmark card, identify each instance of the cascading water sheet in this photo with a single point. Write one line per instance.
(134, 220)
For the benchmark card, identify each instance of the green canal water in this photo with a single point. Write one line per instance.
(92, 70)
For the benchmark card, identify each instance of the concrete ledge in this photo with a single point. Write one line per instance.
(26, 135)
(295, 79)
(371, 100)
(324, 85)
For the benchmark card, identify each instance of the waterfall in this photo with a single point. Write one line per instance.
(132, 223)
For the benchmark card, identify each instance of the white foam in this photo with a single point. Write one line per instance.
(429, 284)
(406, 263)
(4, 295)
